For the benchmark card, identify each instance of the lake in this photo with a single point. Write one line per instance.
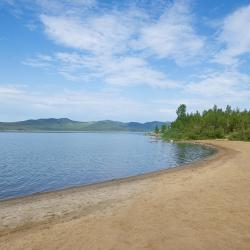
(38, 162)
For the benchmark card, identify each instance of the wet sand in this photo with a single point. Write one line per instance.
(205, 205)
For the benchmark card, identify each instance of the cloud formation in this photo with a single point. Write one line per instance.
(80, 105)
(146, 51)
(118, 46)
(173, 35)
(234, 36)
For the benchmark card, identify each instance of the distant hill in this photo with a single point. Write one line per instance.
(65, 124)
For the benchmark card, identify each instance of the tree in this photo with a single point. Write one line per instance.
(157, 130)
(212, 123)
(181, 111)
(163, 128)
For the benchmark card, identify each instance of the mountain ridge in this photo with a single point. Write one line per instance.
(66, 124)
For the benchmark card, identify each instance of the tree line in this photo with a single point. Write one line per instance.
(213, 123)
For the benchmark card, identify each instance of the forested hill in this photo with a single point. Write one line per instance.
(65, 124)
(230, 123)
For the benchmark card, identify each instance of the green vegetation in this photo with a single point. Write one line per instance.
(157, 130)
(65, 124)
(210, 124)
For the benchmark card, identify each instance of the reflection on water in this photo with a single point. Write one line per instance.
(36, 162)
(188, 152)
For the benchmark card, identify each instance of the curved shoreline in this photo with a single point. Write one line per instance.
(202, 205)
(62, 194)
(122, 179)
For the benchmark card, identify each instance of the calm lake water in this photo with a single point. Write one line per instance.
(37, 162)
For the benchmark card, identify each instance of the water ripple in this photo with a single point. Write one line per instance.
(36, 162)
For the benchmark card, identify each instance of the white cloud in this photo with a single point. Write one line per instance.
(228, 86)
(88, 105)
(136, 71)
(201, 103)
(10, 90)
(104, 34)
(119, 71)
(129, 46)
(234, 36)
(18, 103)
(172, 35)
(68, 7)
(41, 61)
(55, 7)
(118, 46)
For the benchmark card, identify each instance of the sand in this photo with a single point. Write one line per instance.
(205, 205)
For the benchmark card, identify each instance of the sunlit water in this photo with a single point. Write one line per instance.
(37, 162)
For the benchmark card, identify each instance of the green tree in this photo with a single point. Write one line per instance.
(157, 130)
(212, 123)
(163, 128)
(181, 111)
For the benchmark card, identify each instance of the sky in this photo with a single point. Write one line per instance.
(122, 60)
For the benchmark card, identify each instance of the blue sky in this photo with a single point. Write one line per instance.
(122, 60)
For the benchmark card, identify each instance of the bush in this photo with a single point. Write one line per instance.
(242, 135)
(219, 133)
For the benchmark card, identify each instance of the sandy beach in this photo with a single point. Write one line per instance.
(205, 205)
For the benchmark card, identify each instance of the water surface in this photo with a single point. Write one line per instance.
(37, 162)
